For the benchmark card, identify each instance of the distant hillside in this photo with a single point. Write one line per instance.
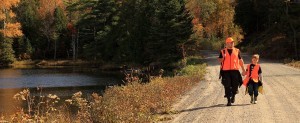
(275, 32)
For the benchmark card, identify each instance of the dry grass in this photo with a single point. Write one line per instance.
(295, 64)
(141, 102)
(62, 63)
(54, 63)
(23, 64)
(138, 102)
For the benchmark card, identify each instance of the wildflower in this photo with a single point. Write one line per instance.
(69, 101)
(23, 97)
(78, 94)
(52, 96)
(16, 96)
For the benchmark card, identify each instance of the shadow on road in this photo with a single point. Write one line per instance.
(213, 106)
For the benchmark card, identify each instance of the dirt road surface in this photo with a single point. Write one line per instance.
(205, 102)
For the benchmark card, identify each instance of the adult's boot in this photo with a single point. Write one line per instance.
(232, 99)
(228, 101)
(252, 99)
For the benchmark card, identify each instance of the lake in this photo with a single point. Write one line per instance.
(62, 81)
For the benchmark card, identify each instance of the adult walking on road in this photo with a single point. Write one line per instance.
(231, 61)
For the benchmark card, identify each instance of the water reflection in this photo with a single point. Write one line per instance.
(62, 77)
(6, 95)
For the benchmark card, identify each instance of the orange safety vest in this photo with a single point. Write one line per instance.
(254, 74)
(231, 62)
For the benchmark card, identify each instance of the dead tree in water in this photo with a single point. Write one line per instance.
(140, 75)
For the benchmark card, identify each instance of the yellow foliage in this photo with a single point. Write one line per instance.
(2, 16)
(48, 6)
(12, 30)
(7, 4)
(11, 14)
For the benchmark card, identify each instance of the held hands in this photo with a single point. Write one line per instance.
(244, 73)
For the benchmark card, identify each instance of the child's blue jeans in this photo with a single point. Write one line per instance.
(253, 88)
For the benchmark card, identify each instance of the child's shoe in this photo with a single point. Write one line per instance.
(255, 100)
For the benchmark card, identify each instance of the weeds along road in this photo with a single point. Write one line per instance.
(205, 102)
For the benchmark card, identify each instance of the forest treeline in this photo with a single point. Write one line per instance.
(144, 32)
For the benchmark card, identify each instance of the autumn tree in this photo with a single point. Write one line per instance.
(46, 16)
(214, 21)
(9, 28)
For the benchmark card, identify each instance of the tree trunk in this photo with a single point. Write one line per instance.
(73, 47)
(183, 54)
(77, 40)
(55, 49)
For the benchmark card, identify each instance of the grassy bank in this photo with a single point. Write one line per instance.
(53, 63)
(64, 63)
(293, 63)
(134, 102)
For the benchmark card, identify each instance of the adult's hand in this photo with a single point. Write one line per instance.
(244, 73)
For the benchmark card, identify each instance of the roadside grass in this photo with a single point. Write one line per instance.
(134, 102)
(294, 63)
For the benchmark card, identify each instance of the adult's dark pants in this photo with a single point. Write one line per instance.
(231, 80)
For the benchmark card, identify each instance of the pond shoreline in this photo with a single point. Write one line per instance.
(66, 63)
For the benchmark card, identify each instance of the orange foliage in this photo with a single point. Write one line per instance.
(48, 6)
(12, 30)
(71, 28)
(11, 14)
(7, 4)
(221, 21)
(195, 21)
(2, 16)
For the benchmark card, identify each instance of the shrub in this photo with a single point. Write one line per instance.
(193, 70)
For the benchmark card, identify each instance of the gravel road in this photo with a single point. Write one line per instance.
(205, 102)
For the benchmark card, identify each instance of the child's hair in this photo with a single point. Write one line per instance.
(255, 56)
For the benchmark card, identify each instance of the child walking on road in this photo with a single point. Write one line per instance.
(253, 78)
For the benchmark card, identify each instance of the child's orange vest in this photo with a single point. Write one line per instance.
(254, 74)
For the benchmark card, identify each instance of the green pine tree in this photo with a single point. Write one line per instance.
(170, 29)
(97, 27)
(133, 30)
(6, 51)
(28, 17)
(60, 22)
